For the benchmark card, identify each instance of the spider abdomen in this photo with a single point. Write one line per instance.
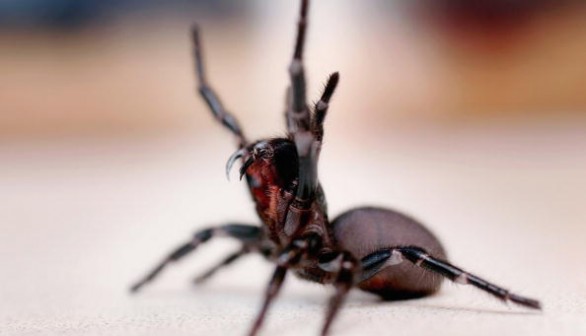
(362, 231)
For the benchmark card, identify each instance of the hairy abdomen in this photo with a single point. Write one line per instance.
(362, 231)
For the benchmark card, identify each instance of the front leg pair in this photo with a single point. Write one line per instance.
(248, 235)
(343, 268)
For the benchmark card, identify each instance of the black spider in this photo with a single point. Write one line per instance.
(375, 249)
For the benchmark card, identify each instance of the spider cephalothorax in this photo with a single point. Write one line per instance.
(377, 250)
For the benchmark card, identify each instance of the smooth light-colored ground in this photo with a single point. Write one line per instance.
(107, 161)
(81, 220)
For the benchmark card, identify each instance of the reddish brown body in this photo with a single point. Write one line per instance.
(359, 231)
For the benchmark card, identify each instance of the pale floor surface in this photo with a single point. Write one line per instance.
(81, 220)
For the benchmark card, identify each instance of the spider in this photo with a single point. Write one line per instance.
(375, 249)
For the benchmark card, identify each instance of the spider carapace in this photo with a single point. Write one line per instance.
(375, 249)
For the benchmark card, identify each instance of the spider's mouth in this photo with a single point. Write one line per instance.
(261, 149)
(243, 152)
(246, 165)
(237, 155)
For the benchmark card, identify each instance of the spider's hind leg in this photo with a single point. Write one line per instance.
(379, 260)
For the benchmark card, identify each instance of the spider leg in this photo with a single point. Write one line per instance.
(305, 133)
(210, 96)
(342, 283)
(247, 234)
(321, 107)
(287, 107)
(272, 290)
(299, 117)
(376, 261)
(225, 262)
(297, 112)
(289, 257)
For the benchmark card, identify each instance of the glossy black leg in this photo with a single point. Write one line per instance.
(377, 261)
(343, 283)
(247, 234)
(225, 262)
(287, 258)
(210, 96)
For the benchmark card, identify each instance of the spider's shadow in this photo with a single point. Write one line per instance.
(356, 300)
(467, 309)
(425, 303)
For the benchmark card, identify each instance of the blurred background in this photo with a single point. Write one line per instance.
(470, 115)
(71, 67)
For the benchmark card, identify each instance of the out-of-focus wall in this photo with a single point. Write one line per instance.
(79, 67)
(510, 57)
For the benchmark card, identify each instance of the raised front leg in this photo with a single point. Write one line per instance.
(321, 107)
(249, 236)
(210, 96)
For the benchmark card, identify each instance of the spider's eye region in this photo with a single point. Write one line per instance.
(262, 150)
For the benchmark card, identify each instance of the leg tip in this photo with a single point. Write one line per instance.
(194, 28)
(134, 289)
(195, 34)
(198, 281)
(526, 302)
